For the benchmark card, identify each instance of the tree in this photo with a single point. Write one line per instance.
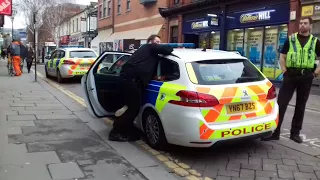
(57, 13)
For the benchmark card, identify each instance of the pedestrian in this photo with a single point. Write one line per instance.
(297, 61)
(29, 58)
(136, 72)
(14, 51)
(24, 54)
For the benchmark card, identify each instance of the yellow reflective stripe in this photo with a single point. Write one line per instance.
(168, 90)
(61, 62)
(191, 73)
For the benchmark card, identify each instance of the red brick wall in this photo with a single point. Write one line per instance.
(137, 12)
(106, 22)
(295, 5)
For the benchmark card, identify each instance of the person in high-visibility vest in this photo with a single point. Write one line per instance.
(298, 64)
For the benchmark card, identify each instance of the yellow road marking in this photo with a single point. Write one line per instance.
(179, 168)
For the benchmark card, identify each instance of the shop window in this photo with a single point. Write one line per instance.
(261, 45)
(204, 40)
(175, 2)
(215, 40)
(174, 34)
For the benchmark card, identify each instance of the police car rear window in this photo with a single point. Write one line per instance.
(82, 54)
(225, 71)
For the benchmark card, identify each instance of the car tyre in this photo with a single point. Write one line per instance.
(59, 78)
(47, 74)
(154, 132)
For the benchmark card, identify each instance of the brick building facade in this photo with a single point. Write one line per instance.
(124, 23)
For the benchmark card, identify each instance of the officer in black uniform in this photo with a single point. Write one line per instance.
(137, 72)
(297, 61)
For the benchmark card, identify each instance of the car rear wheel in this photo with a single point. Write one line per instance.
(153, 129)
(59, 78)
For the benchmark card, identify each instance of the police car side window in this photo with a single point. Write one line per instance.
(62, 54)
(168, 70)
(53, 55)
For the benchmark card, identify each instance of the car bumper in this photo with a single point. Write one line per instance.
(67, 71)
(186, 126)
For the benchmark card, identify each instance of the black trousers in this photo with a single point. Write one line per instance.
(301, 83)
(29, 64)
(132, 95)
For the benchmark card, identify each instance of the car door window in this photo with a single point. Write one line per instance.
(168, 70)
(53, 55)
(112, 63)
(62, 54)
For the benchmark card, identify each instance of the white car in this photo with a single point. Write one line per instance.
(69, 62)
(196, 99)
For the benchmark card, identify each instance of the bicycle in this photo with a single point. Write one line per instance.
(10, 67)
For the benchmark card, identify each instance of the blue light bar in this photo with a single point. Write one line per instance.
(180, 45)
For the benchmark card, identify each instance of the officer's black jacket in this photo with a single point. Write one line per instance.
(143, 62)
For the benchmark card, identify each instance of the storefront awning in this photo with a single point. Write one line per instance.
(137, 34)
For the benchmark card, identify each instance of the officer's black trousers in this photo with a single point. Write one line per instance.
(302, 85)
(132, 95)
(29, 64)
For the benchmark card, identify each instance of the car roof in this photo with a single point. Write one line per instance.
(192, 55)
(76, 49)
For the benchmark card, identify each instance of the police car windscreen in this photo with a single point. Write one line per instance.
(82, 54)
(225, 71)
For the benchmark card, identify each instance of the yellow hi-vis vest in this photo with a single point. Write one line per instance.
(301, 57)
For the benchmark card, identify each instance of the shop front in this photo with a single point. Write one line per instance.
(76, 40)
(202, 29)
(259, 35)
(312, 10)
(64, 40)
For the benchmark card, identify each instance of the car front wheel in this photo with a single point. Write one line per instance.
(154, 132)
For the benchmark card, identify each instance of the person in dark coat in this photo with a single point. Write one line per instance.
(24, 54)
(137, 73)
(30, 57)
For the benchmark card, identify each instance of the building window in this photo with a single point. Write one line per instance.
(105, 8)
(174, 34)
(77, 24)
(119, 7)
(100, 11)
(72, 25)
(109, 8)
(128, 4)
(176, 2)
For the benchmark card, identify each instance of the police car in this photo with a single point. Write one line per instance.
(197, 98)
(69, 62)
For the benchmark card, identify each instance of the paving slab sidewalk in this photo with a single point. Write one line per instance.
(42, 139)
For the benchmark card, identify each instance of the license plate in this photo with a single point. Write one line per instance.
(241, 107)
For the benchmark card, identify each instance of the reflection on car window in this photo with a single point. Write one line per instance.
(112, 63)
(82, 54)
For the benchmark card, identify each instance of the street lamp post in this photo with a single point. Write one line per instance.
(14, 13)
(34, 46)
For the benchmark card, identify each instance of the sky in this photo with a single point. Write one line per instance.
(19, 20)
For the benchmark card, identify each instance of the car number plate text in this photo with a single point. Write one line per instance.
(241, 107)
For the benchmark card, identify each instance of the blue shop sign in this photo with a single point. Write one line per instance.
(205, 24)
(271, 15)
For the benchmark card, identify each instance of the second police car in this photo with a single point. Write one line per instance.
(196, 98)
(69, 62)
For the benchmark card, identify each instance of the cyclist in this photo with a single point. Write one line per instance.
(14, 53)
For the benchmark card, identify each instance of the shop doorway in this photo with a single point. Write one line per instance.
(261, 45)
(192, 38)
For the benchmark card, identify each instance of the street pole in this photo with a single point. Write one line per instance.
(34, 46)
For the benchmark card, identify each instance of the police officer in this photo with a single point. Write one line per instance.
(137, 73)
(297, 61)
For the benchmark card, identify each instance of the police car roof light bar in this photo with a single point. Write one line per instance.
(180, 45)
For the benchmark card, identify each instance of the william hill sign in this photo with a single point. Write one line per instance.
(256, 16)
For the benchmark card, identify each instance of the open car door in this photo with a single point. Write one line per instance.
(102, 84)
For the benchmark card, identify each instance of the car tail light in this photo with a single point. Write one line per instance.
(195, 99)
(68, 62)
(272, 93)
